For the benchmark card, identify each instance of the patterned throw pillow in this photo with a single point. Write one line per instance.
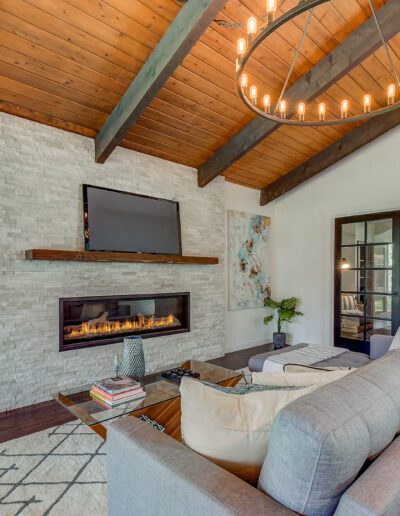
(231, 426)
(246, 389)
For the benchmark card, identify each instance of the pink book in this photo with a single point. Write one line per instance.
(119, 396)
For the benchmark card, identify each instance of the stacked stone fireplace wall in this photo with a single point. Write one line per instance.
(42, 170)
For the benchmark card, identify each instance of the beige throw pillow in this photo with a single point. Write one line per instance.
(232, 429)
(316, 378)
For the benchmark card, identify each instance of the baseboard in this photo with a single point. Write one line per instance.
(245, 345)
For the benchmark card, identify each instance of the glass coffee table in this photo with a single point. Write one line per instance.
(162, 401)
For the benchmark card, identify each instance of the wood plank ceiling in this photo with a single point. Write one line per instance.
(68, 62)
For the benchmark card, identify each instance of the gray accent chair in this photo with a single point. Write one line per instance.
(316, 462)
(379, 345)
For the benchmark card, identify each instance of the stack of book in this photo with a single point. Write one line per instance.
(113, 391)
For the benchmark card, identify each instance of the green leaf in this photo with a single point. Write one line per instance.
(270, 303)
(268, 319)
(289, 304)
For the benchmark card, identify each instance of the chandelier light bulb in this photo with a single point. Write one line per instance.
(251, 28)
(253, 94)
(244, 81)
(301, 109)
(272, 7)
(345, 108)
(241, 47)
(367, 101)
(321, 112)
(282, 108)
(267, 103)
(391, 94)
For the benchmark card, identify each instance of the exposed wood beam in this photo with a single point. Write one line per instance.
(190, 23)
(353, 141)
(351, 52)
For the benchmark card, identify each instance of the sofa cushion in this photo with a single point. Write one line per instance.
(377, 491)
(316, 377)
(231, 426)
(320, 442)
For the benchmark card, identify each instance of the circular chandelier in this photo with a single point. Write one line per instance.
(279, 110)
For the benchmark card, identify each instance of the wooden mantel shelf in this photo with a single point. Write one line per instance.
(97, 256)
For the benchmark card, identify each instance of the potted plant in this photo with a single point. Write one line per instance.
(285, 312)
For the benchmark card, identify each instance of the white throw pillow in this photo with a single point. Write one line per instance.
(232, 429)
(316, 378)
(396, 341)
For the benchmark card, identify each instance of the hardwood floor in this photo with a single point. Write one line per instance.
(239, 359)
(28, 420)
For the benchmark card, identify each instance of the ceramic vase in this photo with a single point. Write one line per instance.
(133, 363)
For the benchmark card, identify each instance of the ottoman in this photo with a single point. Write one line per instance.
(346, 359)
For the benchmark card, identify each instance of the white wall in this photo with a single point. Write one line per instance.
(245, 328)
(303, 225)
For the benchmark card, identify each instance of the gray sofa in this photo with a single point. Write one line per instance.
(315, 464)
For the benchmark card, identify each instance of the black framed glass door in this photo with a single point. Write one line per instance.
(366, 278)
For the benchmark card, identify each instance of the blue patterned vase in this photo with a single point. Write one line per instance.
(133, 363)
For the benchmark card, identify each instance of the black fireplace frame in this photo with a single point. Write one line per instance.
(113, 340)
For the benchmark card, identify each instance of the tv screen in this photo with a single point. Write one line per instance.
(122, 221)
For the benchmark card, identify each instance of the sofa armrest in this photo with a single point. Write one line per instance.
(379, 345)
(150, 473)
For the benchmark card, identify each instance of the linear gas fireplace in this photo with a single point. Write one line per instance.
(96, 321)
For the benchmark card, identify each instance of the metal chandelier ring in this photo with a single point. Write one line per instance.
(302, 7)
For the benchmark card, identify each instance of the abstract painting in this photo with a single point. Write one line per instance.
(249, 242)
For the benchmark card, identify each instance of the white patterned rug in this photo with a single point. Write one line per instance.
(57, 471)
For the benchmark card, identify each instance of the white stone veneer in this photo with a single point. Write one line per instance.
(41, 173)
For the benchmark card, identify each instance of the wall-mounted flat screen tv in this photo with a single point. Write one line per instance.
(127, 222)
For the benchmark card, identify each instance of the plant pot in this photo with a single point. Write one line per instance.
(279, 340)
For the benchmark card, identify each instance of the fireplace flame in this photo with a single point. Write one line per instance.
(104, 327)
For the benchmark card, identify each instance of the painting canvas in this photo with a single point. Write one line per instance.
(249, 241)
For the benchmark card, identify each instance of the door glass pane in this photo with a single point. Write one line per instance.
(375, 327)
(380, 256)
(379, 231)
(352, 281)
(352, 328)
(352, 304)
(379, 306)
(353, 233)
(379, 281)
(351, 255)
